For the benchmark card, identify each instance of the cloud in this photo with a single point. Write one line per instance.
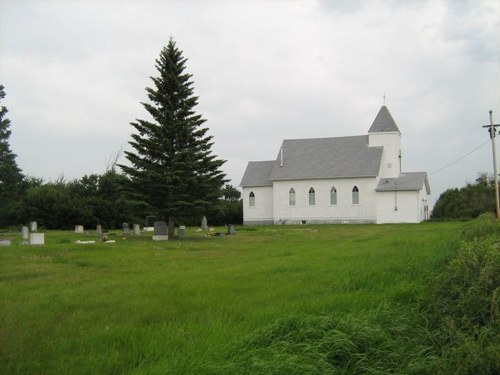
(75, 75)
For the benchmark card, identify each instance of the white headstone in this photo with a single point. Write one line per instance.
(204, 225)
(33, 226)
(4, 242)
(182, 231)
(25, 233)
(78, 228)
(98, 230)
(137, 230)
(37, 238)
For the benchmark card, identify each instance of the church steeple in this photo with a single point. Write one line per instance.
(383, 122)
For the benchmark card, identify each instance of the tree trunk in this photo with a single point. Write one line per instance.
(171, 222)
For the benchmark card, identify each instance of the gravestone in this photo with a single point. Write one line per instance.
(126, 229)
(231, 229)
(37, 238)
(25, 233)
(182, 231)
(98, 230)
(33, 226)
(137, 230)
(78, 228)
(204, 225)
(160, 233)
(4, 242)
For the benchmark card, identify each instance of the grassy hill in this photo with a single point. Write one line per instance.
(278, 299)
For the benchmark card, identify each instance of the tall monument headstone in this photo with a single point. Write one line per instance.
(204, 225)
(25, 233)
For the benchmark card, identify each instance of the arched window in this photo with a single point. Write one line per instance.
(251, 199)
(355, 195)
(312, 197)
(291, 197)
(333, 196)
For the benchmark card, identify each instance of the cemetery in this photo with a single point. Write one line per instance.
(201, 303)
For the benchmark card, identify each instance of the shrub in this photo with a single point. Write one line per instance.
(466, 303)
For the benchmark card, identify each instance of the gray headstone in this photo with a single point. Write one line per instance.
(182, 231)
(37, 238)
(33, 226)
(231, 229)
(160, 233)
(78, 228)
(137, 230)
(204, 225)
(98, 230)
(4, 242)
(160, 228)
(126, 228)
(25, 233)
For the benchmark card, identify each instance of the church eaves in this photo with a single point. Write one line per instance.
(383, 122)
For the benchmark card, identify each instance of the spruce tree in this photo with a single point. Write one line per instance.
(173, 168)
(10, 175)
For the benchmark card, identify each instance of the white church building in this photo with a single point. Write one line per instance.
(356, 179)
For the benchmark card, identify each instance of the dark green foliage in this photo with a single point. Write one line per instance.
(91, 200)
(467, 202)
(466, 303)
(173, 169)
(229, 209)
(10, 175)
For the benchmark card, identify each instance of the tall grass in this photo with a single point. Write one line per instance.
(249, 303)
(465, 303)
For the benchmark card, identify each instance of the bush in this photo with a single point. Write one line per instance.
(466, 303)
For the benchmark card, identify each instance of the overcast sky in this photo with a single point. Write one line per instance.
(75, 73)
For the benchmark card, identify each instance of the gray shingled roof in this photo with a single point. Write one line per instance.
(257, 173)
(405, 182)
(327, 158)
(383, 122)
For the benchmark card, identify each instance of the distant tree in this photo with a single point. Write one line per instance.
(230, 193)
(173, 168)
(467, 202)
(11, 177)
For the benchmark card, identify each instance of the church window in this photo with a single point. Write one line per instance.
(312, 197)
(251, 199)
(291, 197)
(355, 195)
(333, 196)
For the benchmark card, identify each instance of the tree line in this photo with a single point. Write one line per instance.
(467, 202)
(172, 173)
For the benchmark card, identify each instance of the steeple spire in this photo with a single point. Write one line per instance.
(383, 122)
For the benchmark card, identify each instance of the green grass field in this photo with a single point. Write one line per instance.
(202, 304)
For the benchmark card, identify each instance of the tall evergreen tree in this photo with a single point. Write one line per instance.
(173, 168)
(10, 175)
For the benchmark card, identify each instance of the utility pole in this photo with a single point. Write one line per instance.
(492, 130)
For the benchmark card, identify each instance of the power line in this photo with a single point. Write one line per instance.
(460, 158)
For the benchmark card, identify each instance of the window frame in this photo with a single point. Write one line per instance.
(291, 197)
(333, 196)
(312, 197)
(251, 199)
(355, 195)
